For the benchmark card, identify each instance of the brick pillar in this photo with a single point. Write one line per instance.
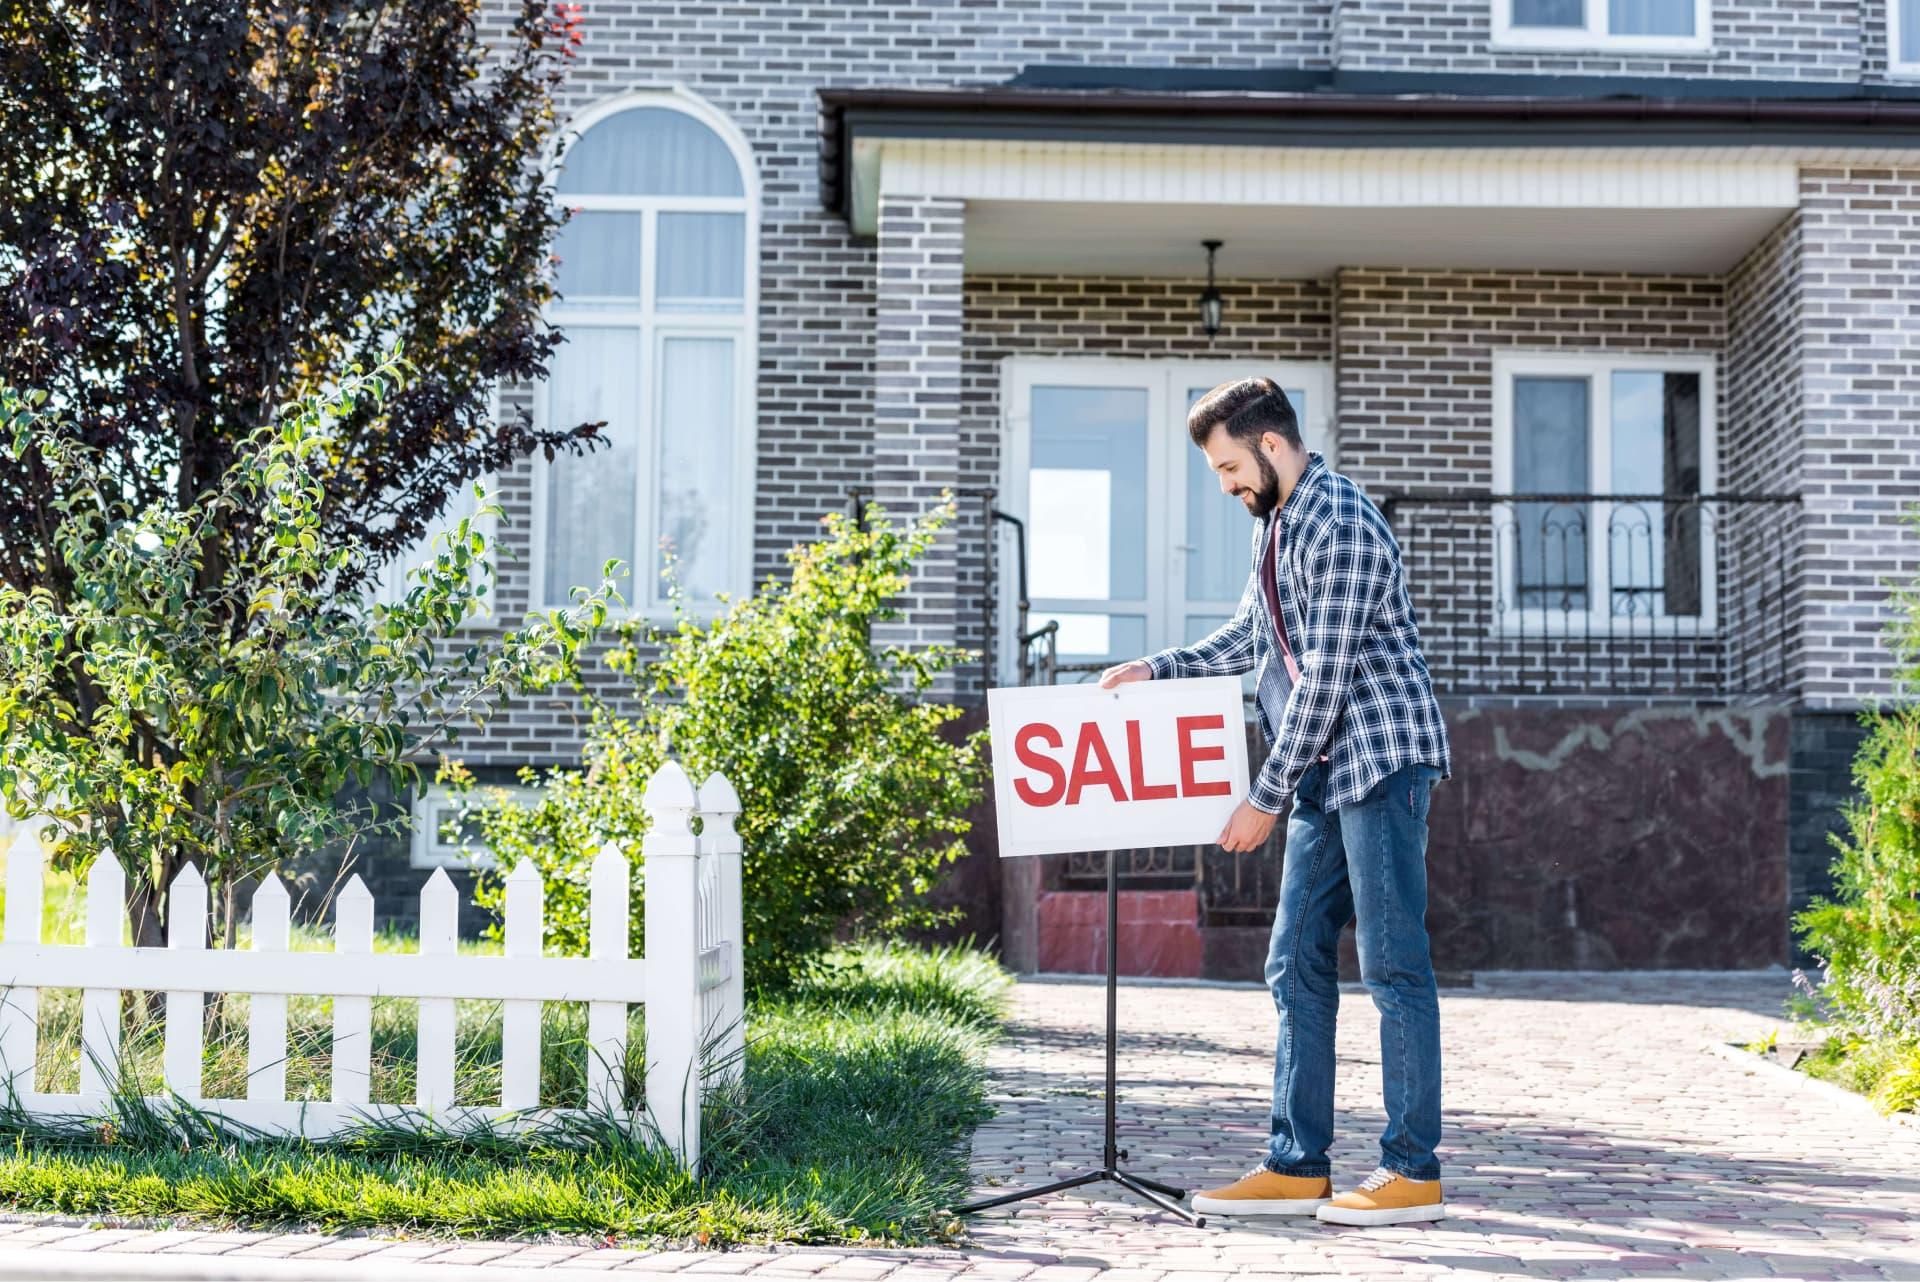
(1860, 254)
(916, 430)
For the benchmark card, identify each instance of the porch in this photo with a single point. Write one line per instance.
(1584, 428)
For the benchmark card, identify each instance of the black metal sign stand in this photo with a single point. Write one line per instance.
(1164, 1196)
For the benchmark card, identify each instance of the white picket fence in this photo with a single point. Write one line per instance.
(690, 982)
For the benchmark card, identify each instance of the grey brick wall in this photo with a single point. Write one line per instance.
(1860, 253)
(1763, 406)
(1752, 39)
(916, 426)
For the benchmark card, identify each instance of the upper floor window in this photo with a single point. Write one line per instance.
(1653, 26)
(1903, 37)
(657, 300)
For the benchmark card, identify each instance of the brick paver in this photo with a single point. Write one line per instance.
(1590, 1133)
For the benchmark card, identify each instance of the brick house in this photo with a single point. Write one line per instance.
(1603, 303)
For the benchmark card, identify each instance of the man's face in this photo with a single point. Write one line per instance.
(1244, 470)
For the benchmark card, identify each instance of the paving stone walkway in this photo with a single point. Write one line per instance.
(1590, 1133)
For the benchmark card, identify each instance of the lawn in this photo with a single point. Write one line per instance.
(851, 1122)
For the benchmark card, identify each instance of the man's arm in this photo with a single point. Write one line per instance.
(1348, 572)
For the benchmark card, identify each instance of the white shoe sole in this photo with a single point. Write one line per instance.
(1257, 1206)
(1394, 1215)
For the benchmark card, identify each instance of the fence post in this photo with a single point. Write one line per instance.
(439, 917)
(520, 1021)
(720, 806)
(609, 913)
(353, 1016)
(20, 1006)
(100, 1007)
(186, 1011)
(267, 1012)
(673, 961)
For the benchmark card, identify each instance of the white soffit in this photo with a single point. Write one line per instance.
(1295, 210)
(1292, 242)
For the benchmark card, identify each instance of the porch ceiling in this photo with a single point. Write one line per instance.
(1292, 241)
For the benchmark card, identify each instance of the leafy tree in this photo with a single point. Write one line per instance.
(854, 797)
(224, 715)
(216, 207)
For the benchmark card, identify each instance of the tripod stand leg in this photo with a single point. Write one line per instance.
(1165, 1204)
(1058, 1186)
(1155, 1185)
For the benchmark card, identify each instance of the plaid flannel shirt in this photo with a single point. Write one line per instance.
(1364, 696)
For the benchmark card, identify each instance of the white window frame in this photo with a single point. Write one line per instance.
(1595, 34)
(1596, 369)
(426, 849)
(642, 588)
(1895, 24)
(1165, 604)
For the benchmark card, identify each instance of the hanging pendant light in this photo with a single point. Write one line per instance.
(1210, 303)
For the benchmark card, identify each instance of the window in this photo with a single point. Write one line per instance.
(1131, 546)
(1903, 37)
(441, 838)
(658, 305)
(1653, 26)
(1573, 427)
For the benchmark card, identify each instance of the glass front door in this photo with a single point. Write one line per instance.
(1131, 546)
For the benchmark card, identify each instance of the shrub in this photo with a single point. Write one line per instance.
(854, 797)
(1868, 932)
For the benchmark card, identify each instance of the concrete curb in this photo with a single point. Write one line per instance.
(1746, 1059)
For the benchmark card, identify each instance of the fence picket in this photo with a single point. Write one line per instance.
(353, 1016)
(100, 1007)
(608, 904)
(520, 1020)
(186, 1011)
(671, 871)
(267, 1018)
(20, 1006)
(439, 918)
(720, 805)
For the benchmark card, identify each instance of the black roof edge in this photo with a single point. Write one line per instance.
(1476, 84)
(1444, 113)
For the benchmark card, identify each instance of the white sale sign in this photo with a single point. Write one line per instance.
(1149, 763)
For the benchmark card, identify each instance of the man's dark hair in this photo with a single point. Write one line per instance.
(1246, 407)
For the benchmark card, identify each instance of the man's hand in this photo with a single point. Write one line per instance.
(1248, 829)
(1121, 673)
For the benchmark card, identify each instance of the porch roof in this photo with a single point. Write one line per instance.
(1300, 171)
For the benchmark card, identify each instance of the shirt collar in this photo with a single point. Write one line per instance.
(1311, 474)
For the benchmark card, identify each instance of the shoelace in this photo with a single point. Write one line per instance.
(1381, 1175)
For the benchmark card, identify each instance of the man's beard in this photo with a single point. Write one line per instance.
(1263, 501)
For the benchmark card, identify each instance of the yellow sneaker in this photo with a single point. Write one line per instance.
(1385, 1197)
(1264, 1192)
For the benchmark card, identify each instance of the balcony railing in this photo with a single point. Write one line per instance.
(1601, 594)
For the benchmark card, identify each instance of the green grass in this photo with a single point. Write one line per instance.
(861, 1088)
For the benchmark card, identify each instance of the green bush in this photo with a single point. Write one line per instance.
(1867, 933)
(855, 796)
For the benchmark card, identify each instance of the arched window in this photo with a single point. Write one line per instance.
(658, 302)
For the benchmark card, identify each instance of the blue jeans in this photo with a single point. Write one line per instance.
(1366, 860)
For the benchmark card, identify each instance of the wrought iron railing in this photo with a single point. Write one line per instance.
(1601, 594)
